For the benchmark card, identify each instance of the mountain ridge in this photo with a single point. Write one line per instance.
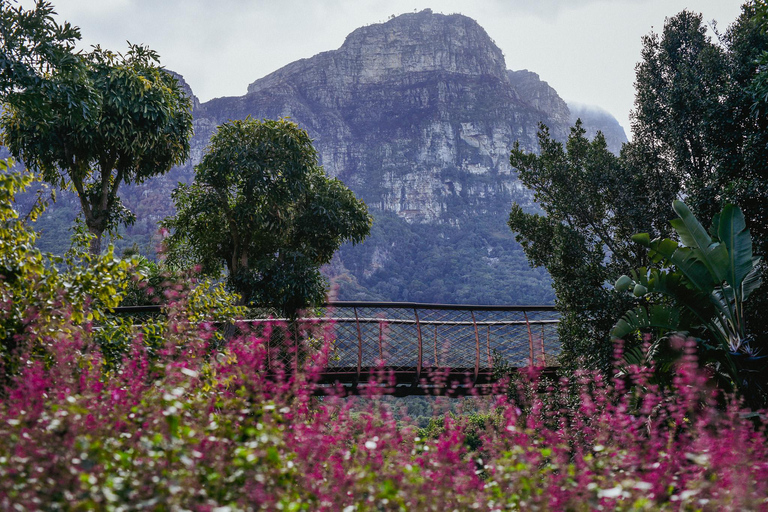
(416, 115)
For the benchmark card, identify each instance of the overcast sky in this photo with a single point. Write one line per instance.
(585, 49)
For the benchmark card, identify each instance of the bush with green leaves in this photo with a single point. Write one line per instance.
(46, 296)
(699, 286)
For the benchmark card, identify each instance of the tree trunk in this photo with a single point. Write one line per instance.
(95, 246)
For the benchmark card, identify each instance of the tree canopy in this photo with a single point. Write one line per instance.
(699, 134)
(262, 208)
(88, 121)
(593, 201)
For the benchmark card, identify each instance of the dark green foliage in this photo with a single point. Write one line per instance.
(89, 121)
(700, 115)
(696, 134)
(261, 207)
(32, 42)
(699, 286)
(592, 200)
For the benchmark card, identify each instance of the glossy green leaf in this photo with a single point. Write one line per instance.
(733, 232)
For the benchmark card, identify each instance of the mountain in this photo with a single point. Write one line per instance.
(417, 116)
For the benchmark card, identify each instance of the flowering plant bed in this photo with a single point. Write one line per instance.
(192, 428)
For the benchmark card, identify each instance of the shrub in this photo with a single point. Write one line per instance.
(183, 430)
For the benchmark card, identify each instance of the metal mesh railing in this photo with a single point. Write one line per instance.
(412, 339)
(410, 335)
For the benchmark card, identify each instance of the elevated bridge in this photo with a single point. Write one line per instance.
(425, 348)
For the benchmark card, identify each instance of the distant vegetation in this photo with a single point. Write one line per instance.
(443, 268)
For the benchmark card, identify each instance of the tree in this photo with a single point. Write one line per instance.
(695, 135)
(262, 207)
(89, 121)
(593, 201)
(699, 110)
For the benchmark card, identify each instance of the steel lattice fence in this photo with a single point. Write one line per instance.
(404, 336)
(412, 342)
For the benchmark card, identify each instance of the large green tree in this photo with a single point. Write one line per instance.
(699, 133)
(262, 207)
(593, 202)
(699, 112)
(88, 121)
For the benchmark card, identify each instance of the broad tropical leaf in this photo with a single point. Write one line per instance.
(752, 280)
(657, 317)
(733, 232)
(690, 230)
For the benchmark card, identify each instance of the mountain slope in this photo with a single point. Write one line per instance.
(417, 116)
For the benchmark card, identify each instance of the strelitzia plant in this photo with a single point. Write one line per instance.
(698, 286)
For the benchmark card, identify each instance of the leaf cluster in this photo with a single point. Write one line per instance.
(88, 121)
(43, 295)
(704, 281)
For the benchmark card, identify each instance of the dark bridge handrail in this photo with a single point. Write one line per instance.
(367, 304)
(448, 307)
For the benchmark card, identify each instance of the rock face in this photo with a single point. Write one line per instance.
(596, 119)
(417, 115)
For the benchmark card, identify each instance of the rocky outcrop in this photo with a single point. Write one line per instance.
(540, 96)
(186, 88)
(417, 115)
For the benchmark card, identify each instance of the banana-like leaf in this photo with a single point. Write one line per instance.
(752, 280)
(659, 317)
(634, 355)
(732, 231)
(690, 230)
(661, 250)
(692, 234)
(643, 239)
(687, 260)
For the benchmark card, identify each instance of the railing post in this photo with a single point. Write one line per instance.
(418, 331)
(530, 339)
(359, 346)
(436, 346)
(488, 345)
(381, 336)
(543, 355)
(477, 346)
(293, 329)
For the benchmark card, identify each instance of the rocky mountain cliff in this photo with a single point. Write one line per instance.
(417, 116)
